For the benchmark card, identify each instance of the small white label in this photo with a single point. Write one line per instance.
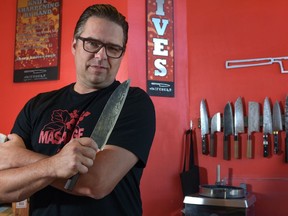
(21, 204)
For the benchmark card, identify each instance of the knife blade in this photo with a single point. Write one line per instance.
(215, 127)
(238, 124)
(267, 126)
(253, 124)
(286, 130)
(276, 125)
(106, 122)
(228, 129)
(204, 125)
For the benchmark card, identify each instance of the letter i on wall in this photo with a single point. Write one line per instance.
(160, 47)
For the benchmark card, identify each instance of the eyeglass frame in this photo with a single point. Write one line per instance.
(122, 49)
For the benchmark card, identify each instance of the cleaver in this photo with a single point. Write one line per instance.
(215, 127)
(106, 122)
(267, 126)
(253, 124)
(238, 124)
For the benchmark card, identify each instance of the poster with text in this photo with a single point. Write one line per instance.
(37, 40)
(160, 48)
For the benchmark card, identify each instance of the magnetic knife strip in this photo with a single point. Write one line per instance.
(234, 123)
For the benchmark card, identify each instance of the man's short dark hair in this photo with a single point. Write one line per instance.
(106, 11)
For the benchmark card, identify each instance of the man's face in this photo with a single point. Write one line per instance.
(96, 71)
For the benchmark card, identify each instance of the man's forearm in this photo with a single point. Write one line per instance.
(20, 183)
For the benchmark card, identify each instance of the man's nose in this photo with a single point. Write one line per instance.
(101, 53)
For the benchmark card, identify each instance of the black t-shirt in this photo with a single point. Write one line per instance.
(49, 120)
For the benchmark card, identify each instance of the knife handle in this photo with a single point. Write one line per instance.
(226, 148)
(249, 147)
(236, 147)
(265, 145)
(71, 182)
(204, 144)
(212, 145)
(276, 145)
(286, 149)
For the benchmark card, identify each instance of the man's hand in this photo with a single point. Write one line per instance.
(76, 156)
(9, 151)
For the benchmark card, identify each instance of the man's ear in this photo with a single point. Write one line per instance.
(73, 46)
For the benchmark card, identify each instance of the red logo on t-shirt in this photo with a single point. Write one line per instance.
(63, 127)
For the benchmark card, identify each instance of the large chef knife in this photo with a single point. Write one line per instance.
(286, 130)
(204, 125)
(253, 124)
(276, 125)
(239, 125)
(106, 122)
(215, 127)
(228, 129)
(267, 126)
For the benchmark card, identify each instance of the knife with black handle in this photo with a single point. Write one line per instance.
(267, 126)
(204, 126)
(276, 125)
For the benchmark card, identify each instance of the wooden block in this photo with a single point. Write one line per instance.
(21, 208)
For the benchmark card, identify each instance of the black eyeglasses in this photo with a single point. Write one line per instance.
(94, 46)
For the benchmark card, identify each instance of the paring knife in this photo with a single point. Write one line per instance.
(286, 130)
(228, 129)
(215, 127)
(253, 124)
(204, 125)
(239, 125)
(105, 123)
(267, 126)
(276, 125)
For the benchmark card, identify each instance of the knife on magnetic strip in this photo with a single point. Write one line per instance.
(267, 126)
(204, 125)
(286, 130)
(106, 122)
(228, 129)
(215, 127)
(276, 125)
(253, 124)
(238, 124)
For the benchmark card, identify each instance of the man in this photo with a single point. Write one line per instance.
(50, 140)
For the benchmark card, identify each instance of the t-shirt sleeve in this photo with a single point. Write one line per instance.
(22, 125)
(135, 128)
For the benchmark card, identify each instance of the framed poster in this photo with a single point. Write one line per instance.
(160, 47)
(37, 40)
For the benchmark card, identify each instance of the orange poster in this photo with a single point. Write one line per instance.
(37, 40)
(160, 48)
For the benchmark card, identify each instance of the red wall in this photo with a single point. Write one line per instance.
(212, 33)
(219, 31)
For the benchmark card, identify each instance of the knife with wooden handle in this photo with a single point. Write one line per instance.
(228, 129)
(215, 127)
(106, 122)
(238, 124)
(253, 124)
